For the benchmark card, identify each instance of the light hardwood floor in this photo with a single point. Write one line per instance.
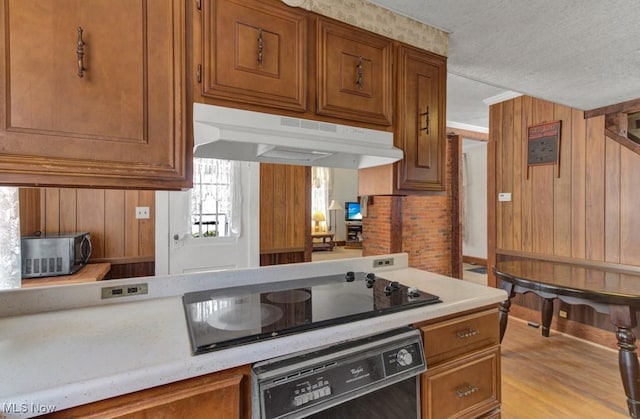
(558, 377)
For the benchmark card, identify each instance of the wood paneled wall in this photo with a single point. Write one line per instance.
(285, 213)
(109, 215)
(588, 213)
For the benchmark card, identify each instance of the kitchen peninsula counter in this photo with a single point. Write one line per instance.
(64, 346)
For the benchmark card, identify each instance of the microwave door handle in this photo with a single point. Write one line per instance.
(86, 255)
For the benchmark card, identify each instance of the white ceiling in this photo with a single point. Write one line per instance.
(580, 53)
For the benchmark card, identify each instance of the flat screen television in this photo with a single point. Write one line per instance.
(352, 211)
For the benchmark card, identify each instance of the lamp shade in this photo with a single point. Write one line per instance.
(318, 216)
(334, 205)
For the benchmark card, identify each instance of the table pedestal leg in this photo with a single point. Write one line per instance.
(624, 318)
(547, 315)
(504, 310)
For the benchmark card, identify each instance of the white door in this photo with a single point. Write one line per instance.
(177, 251)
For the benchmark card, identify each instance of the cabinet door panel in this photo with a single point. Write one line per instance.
(465, 388)
(221, 395)
(254, 52)
(421, 133)
(120, 124)
(354, 74)
(49, 94)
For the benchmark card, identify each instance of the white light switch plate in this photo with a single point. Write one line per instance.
(504, 197)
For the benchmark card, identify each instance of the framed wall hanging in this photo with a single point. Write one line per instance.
(543, 145)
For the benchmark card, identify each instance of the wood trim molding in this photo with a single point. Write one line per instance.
(495, 131)
(471, 135)
(124, 260)
(614, 267)
(396, 225)
(568, 327)
(622, 140)
(628, 107)
(474, 260)
(456, 212)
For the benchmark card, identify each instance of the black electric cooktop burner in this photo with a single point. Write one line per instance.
(226, 317)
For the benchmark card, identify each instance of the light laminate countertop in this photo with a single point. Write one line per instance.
(60, 351)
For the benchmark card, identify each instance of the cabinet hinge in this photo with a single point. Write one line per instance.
(199, 4)
(199, 73)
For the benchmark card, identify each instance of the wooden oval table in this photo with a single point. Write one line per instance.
(610, 292)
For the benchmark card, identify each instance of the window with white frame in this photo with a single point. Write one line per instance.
(211, 198)
(320, 188)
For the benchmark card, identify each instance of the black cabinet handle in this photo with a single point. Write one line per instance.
(80, 53)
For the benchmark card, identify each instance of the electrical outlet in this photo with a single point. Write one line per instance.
(382, 262)
(504, 197)
(142, 213)
(562, 314)
(125, 290)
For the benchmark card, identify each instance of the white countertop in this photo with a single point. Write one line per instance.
(86, 352)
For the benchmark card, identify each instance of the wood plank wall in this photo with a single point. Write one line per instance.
(588, 213)
(109, 215)
(285, 214)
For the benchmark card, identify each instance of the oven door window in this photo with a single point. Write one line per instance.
(397, 401)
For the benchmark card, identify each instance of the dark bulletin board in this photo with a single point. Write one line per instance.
(544, 145)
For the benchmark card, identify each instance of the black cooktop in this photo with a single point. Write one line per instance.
(218, 319)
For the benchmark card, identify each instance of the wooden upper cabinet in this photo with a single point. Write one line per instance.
(254, 52)
(354, 74)
(93, 93)
(419, 128)
(421, 125)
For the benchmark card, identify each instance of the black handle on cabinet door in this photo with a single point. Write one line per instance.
(359, 73)
(80, 53)
(426, 121)
(260, 46)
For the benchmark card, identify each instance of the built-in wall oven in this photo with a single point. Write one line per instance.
(374, 377)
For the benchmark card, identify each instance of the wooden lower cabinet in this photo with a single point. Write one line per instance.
(462, 380)
(221, 395)
(463, 366)
(464, 388)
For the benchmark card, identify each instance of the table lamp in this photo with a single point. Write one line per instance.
(318, 217)
(332, 212)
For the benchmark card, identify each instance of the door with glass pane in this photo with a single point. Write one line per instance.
(214, 225)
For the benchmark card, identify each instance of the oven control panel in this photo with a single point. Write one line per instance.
(309, 392)
(309, 386)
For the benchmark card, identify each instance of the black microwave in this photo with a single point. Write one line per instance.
(52, 255)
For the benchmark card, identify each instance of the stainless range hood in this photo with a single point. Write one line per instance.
(233, 134)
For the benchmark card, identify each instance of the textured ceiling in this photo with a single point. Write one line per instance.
(580, 53)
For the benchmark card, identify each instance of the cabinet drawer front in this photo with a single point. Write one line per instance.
(354, 74)
(254, 52)
(465, 388)
(448, 339)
